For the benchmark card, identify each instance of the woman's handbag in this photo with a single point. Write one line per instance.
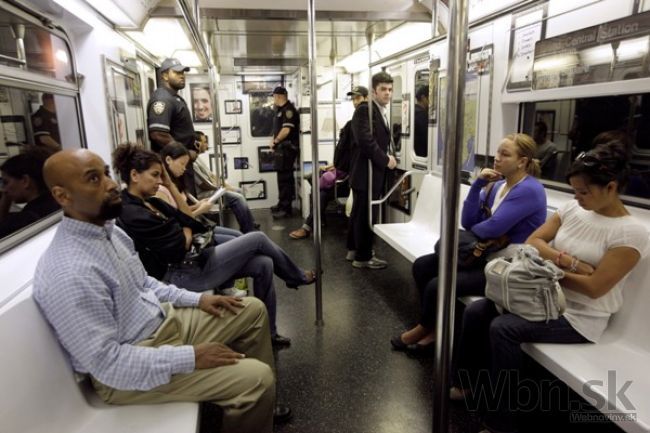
(526, 285)
(472, 251)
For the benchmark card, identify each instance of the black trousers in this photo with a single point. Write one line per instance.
(286, 189)
(469, 282)
(362, 235)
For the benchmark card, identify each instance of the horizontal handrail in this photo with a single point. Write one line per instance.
(397, 183)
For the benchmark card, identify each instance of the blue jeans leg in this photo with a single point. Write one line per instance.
(507, 332)
(225, 234)
(240, 257)
(490, 342)
(237, 203)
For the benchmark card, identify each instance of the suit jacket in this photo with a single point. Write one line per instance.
(369, 147)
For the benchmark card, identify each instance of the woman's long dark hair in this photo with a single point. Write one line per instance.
(174, 150)
(605, 163)
(129, 157)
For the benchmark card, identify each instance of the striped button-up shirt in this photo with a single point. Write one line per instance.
(95, 293)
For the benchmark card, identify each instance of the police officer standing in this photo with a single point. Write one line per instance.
(45, 124)
(285, 144)
(168, 116)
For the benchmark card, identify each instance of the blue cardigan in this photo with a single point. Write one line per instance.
(520, 213)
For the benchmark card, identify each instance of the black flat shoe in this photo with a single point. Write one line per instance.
(282, 413)
(398, 344)
(279, 341)
(421, 350)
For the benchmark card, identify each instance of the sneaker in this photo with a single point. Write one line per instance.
(281, 214)
(233, 292)
(373, 263)
(350, 255)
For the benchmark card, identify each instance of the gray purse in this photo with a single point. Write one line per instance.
(526, 285)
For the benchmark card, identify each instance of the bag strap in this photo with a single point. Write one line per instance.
(484, 206)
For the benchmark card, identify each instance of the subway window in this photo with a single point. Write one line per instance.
(396, 113)
(25, 44)
(565, 128)
(421, 113)
(36, 120)
(261, 114)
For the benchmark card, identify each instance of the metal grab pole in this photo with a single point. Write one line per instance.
(369, 38)
(216, 133)
(315, 190)
(456, 69)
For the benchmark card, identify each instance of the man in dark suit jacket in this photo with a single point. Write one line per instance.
(371, 145)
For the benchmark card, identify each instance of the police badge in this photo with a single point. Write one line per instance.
(158, 107)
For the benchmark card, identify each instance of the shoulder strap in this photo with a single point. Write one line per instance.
(484, 206)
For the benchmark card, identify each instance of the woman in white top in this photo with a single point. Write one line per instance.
(597, 243)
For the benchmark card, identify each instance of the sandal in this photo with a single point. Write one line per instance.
(300, 233)
(310, 277)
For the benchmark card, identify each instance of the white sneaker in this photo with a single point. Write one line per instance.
(233, 292)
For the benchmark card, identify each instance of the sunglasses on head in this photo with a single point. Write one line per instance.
(591, 160)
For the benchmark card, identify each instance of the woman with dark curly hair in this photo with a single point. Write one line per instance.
(163, 235)
(596, 241)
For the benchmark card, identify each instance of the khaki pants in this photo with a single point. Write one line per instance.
(245, 391)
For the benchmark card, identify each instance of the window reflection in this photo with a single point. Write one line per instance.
(24, 44)
(421, 114)
(396, 113)
(261, 114)
(564, 128)
(33, 125)
(25, 198)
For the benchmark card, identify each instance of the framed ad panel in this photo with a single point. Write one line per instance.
(233, 106)
(266, 159)
(253, 190)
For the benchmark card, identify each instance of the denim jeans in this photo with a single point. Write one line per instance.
(250, 255)
(237, 203)
(224, 234)
(490, 359)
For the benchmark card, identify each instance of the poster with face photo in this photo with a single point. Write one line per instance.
(201, 102)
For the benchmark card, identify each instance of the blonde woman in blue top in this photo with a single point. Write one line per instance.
(517, 204)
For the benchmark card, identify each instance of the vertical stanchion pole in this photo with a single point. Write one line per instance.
(315, 190)
(216, 133)
(371, 106)
(335, 84)
(456, 70)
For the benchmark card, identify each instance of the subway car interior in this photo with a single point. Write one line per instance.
(421, 121)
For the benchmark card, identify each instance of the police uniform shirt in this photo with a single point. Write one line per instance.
(168, 112)
(45, 124)
(287, 117)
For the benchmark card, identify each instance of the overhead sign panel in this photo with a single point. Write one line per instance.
(613, 51)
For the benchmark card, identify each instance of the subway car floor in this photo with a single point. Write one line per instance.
(343, 377)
